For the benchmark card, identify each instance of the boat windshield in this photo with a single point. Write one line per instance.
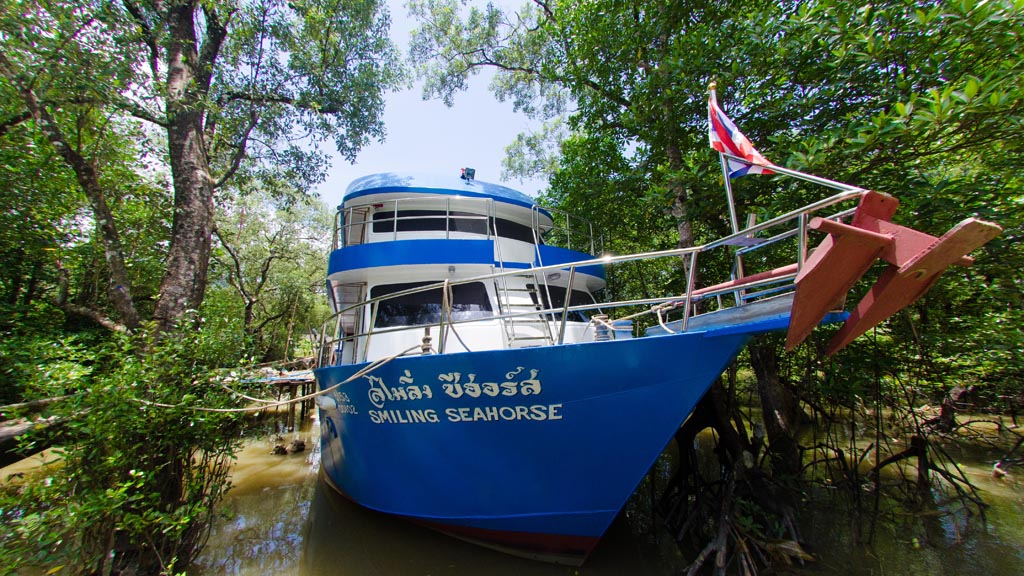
(469, 302)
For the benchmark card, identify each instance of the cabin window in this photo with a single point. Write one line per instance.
(515, 231)
(425, 220)
(576, 298)
(434, 220)
(469, 302)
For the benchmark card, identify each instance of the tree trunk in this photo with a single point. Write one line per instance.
(249, 316)
(683, 225)
(291, 328)
(87, 175)
(184, 282)
(780, 409)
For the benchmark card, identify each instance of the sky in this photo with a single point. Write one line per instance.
(427, 136)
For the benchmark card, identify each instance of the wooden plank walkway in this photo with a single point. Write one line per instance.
(289, 384)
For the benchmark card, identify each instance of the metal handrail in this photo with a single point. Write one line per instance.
(592, 240)
(688, 299)
(565, 308)
(447, 320)
(487, 213)
(610, 259)
(342, 224)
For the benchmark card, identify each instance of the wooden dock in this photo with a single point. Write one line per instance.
(292, 385)
(17, 420)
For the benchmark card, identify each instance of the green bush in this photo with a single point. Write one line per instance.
(142, 469)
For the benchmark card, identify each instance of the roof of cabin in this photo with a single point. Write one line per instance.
(434, 184)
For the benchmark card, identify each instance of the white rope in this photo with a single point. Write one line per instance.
(274, 404)
(449, 295)
(249, 398)
(596, 320)
(656, 309)
(661, 321)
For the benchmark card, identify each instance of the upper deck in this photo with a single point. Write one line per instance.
(400, 219)
(395, 206)
(397, 232)
(407, 183)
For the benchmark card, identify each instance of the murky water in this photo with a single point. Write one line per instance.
(281, 519)
(932, 542)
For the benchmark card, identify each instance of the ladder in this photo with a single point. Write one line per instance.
(522, 300)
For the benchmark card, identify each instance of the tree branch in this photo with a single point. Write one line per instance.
(13, 121)
(240, 285)
(97, 317)
(282, 99)
(265, 272)
(140, 112)
(259, 327)
(148, 37)
(216, 32)
(239, 155)
(486, 60)
(87, 175)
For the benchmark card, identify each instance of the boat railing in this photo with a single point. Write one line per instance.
(566, 230)
(738, 291)
(353, 223)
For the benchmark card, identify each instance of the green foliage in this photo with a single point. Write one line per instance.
(138, 483)
(242, 92)
(297, 74)
(927, 104)
(268, 270)
(594, 174)
(35, 368)
(38, 207)
(118, 121)
(923, 102)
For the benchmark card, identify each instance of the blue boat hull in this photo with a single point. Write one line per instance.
(532, 451)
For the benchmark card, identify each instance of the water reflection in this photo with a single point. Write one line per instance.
(938, 540)
(344, 538)
(282, 519)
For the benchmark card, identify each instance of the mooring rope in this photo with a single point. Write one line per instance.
(597, 319)
(449, 295)
(274, 404)
(661, 321)
(244, 396)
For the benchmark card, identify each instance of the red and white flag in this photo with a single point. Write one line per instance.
(725, 137)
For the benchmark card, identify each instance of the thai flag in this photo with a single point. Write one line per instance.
(725, 137)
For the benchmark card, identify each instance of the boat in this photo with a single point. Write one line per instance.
(473, 379)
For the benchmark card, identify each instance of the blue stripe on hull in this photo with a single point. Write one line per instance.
(444, 251)
(550, 255)
(410, 252)
(549, 440)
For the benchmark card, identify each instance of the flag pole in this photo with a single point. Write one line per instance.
(725, 171)
(738, 259)
(798, 175)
